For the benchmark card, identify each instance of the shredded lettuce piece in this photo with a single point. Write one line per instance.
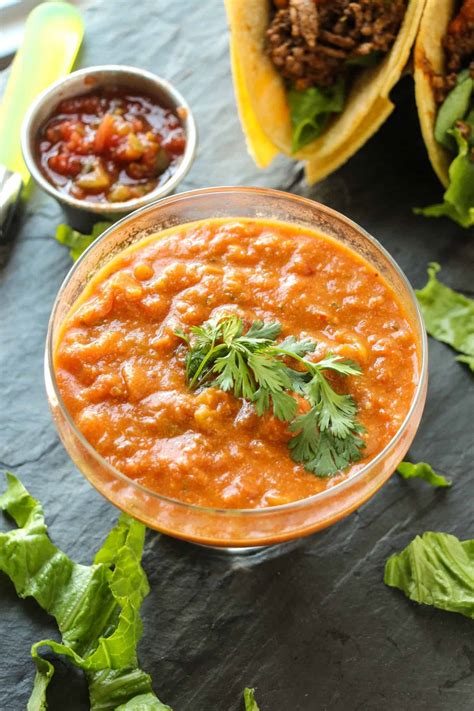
(249, 699)
(459, 197)
(76, 241)
(469, 360)
(454, 108)
(365, 60)
(422, 470)
(448, 315)
(145, 702)
(435, 569)
(96, 607)
(458, 201)
(310, 110)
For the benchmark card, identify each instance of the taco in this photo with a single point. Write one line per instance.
(313, 77)
(444, 85)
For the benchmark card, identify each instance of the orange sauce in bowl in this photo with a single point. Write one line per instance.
(120, 367)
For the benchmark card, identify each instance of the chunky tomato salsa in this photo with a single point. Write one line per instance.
(121, 358)
(110, 146)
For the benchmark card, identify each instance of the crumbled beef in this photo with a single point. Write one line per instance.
(459, 40)
(304, 21)
(310, 41)
(442, 85)
(458, 44)
(464, 129)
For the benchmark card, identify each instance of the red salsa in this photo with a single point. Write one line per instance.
(110, 145)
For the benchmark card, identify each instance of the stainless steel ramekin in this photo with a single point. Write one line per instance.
(82, 213)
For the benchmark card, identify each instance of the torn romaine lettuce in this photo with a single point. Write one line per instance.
(249, 699)
(454, 130)
(468, 359)
(435, 569)
(76, 241)
(459, 197)
(311, 109)
(422, 470)
(96, 607)
(454, 108)
(448, 315)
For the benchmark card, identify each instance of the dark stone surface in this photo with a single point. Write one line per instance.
(314, 627)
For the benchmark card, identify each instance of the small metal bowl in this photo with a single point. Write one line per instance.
(81, 214)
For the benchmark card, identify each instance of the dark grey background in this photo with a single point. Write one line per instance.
(314, 627)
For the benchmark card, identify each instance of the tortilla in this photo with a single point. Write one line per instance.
(429, 59)
(259, 146)
(322, 166)
(262, 100)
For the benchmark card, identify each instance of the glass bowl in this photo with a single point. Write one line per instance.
(233, 528)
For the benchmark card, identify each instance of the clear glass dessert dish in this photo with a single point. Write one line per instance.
(234, 528)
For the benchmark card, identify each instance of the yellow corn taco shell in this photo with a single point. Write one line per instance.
(320, 167)
(429, 59)
(262, 101)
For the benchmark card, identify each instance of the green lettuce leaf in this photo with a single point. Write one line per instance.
(111, 689)
(365, 60)
(459, 197)
(96, 607)
(249, 698)
(76, 241)
(145, 702)
(454, 108)
(448, 315)
(421, 470)
(469, 360)
(435, 569)
(310, 110)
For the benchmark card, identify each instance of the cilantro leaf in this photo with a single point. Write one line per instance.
(96, 607)
(435, 569)
(311, 109)
(424, 471)
(340, 365)
(448, 315)
(76, 241)
(284, 406)
(294, 347)
(260, 331)
(336, 412)
(254, 367)
(320, 451)
(305, 445)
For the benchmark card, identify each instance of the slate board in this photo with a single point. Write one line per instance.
(313, 627)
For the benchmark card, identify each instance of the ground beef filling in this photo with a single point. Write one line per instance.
(458, 45)
(311, 41)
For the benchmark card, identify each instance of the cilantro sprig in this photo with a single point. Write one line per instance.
(253, 366)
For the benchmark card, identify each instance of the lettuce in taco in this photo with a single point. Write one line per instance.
(313, 77)
(444, 83)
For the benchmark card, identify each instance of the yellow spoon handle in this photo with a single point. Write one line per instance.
(53, 34)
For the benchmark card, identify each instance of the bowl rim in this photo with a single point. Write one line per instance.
(109, 208)
(269, 510)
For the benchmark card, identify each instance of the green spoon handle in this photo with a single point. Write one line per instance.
(53, 34)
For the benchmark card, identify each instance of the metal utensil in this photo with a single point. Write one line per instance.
(81, 214)
(53, 34)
